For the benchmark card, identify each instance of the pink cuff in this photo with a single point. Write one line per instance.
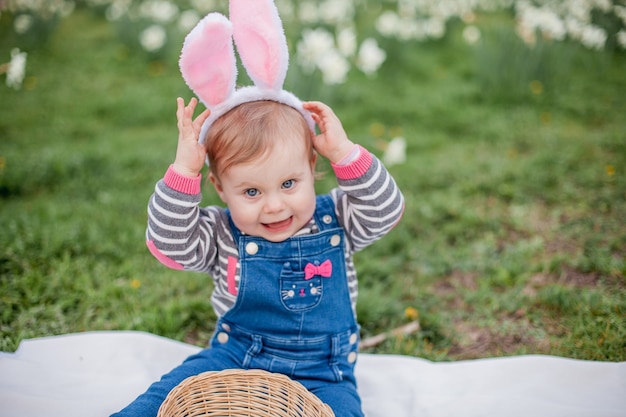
(354, 169)
(169, 262)
(181, 183)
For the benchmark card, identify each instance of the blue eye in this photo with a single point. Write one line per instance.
(252, 192)
(288, 183)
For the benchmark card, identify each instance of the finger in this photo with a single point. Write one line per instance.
(311, 104)
(316, 107)
(316, 119)
(190, 108)
(204, 115)
(180, 112)
(201, 118)
(180, 107)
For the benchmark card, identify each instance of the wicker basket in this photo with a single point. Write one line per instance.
(245, 393)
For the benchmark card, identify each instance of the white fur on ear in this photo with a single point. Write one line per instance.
(207, 60)
(261, 42)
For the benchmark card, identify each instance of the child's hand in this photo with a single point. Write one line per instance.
(332, 142)
(190, 155)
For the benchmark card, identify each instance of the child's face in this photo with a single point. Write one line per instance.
(273, 196)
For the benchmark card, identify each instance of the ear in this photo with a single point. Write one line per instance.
(207, 60)
(261, 41)
(217, 185)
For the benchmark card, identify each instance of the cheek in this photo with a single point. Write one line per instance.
(307, 204)
(243, 218)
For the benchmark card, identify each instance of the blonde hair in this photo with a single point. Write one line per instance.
(250, 131)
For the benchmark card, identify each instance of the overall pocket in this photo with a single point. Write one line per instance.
(299, 292)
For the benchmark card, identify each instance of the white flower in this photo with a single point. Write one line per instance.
(435, 27)
(371, 56)
(22, 23)
(161, 11)
(117, 9)
(471, 34)
(593, 37)
(407, 9)
(334, 67)
(410, 29)
(334, 12)
(308, 12)
(574, 28)
(188, 20)
(543, 19)
(553, 26)
(153, 38)
(314, 44)
(346, 41)
(203, 6)
(387, 23)
(396, 152)
(17, 69)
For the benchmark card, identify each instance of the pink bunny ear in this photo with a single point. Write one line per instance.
(207, 60)
(261, 41)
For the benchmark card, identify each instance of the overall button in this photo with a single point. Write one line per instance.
(335, 240)
(353, 337)
(226, 327)
(223, 338)
(352, 357)
(252, 248)
(327, 219)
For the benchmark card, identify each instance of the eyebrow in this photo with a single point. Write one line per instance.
(249, 184)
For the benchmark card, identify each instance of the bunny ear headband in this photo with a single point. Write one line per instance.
(208, 63)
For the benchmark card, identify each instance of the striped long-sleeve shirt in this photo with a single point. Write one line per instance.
(182, 235)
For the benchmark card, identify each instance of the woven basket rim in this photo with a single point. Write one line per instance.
(243, 393)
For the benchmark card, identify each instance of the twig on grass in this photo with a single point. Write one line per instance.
(409, 328)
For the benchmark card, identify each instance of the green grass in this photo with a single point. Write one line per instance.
(514, 233)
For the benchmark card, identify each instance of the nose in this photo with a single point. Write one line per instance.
(273, 203)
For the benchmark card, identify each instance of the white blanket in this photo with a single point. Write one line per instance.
(96, 373)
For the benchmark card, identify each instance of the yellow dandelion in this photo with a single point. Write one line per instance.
(381, 144)
(156, 68)
(377, 129)
(30, 83)
(395, 131)
(411, 313)
(545, 117)
(536, 87)
(610, 170)
(135, 283)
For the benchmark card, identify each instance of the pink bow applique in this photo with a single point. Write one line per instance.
(324, 270)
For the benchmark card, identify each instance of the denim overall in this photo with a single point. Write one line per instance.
(292, 316)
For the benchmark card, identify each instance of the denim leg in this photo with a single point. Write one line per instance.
(148, 403)
(342, 397)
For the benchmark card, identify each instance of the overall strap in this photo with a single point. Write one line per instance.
(235, 231)
(325, 216)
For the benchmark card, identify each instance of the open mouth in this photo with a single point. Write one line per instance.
(278, 226)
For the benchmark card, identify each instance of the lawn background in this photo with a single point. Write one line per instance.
(513, 238)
